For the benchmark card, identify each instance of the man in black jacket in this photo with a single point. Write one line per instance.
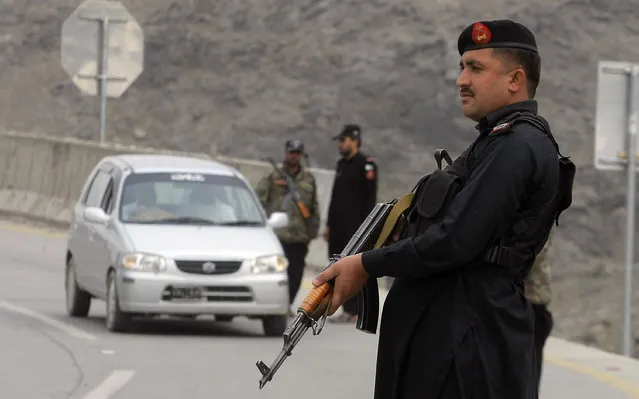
(354, 196)
(456, 323)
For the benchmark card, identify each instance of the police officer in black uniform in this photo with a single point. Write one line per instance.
(456, 322)
(354, 196)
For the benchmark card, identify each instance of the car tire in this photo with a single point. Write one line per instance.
(78, 301)
(116, 319)
(274, 325)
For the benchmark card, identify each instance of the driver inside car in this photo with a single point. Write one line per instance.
(141, 204)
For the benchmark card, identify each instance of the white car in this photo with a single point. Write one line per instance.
(167, 235)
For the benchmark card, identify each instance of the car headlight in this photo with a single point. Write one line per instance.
(144, 262)
(269, 264)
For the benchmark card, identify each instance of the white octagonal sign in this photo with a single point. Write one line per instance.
(82, 44)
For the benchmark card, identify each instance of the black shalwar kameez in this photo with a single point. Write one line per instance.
(453, 325)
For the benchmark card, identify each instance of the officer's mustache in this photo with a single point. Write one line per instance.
(467, 91)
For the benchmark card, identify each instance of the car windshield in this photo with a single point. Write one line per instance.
(188, 198)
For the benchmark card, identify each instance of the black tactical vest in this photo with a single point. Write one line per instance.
(434, 193)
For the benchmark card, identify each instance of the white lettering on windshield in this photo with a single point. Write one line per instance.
(187, 176)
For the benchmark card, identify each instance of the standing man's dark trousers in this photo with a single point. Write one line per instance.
(295, 253)
(543, 327)
(336, 244)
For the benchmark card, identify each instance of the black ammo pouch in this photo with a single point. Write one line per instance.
(434, 193)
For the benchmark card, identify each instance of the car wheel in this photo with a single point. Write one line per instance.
(274, 325)
(78, 300)
(223, 318)
(116, 320)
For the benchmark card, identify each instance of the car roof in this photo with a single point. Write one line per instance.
(163, 163)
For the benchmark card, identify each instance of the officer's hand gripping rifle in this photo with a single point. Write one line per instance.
(374, 231)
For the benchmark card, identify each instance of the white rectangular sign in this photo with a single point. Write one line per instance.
(612, 115)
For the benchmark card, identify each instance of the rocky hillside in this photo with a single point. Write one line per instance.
(238, 78)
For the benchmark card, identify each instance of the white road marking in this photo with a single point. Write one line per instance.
(108, 351)
(111, 385)
(69, 329)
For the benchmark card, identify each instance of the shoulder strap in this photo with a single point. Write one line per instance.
(540, 123)
(504, 255)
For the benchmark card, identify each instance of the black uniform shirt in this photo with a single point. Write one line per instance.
(447, 305)
(354, 194)
(511, 174)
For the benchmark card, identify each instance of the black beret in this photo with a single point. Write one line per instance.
(351, 130)
(502, 33)
(294, 146)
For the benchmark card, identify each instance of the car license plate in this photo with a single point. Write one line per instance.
(186, 293)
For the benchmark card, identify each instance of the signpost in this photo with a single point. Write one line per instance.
(616, 150)
(102, 51)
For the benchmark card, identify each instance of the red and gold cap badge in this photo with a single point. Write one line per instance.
(481, 34)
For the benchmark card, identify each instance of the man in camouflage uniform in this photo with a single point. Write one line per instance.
(538, 292)
(273, 192)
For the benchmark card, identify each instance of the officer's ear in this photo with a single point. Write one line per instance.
(516, 80)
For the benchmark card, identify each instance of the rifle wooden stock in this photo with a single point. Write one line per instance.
(303, 210)
(317, 301)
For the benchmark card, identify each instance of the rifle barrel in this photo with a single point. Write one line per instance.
(292, 336)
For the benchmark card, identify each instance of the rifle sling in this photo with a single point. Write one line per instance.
(391, 220)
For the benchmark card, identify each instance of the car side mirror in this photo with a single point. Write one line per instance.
(278, 220)
(95, 215)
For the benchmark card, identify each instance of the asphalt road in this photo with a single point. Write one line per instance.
(47, 355)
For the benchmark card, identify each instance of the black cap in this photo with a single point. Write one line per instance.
(502, 33)
(294, 146)
(350, 130)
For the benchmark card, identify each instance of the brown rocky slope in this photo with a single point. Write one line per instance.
(238, 78)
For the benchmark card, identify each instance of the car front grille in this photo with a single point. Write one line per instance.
(211, 267)
(228, 294)
(218, 293)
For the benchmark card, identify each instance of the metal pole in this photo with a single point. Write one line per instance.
(630, 221)
(102, 72)
(103, 76)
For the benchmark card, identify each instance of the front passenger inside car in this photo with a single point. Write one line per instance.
(205, 204)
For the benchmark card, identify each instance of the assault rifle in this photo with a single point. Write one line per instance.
(373, 232)
(293, 196)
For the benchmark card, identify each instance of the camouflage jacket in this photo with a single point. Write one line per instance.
(537, 282)
(272, 191)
